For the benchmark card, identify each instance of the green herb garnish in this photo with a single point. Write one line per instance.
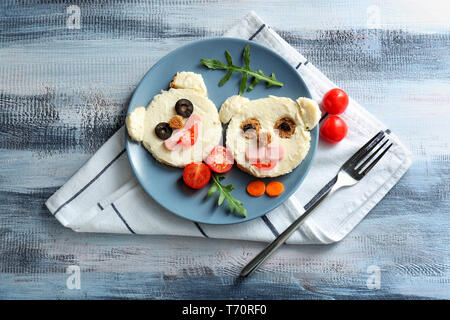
(257, 76)
(225, 193)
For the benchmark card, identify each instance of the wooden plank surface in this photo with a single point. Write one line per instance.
(63, 92)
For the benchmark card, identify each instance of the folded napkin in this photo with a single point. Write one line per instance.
(104, 195)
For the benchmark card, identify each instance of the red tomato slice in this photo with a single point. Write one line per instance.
(265, 166)
(190, 136)
(334, 129)
(220, 159)
(335, 101)
(196, 175)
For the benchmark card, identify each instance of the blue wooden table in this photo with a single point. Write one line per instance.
(67, 71)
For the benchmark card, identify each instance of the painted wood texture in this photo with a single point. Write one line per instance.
(63, 92)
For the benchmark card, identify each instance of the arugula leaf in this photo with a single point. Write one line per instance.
(255, 81)
(226, 78)
(228, 56)
(246, 71)
(243, 85)
(273, 78)
(234, 204)
(246, 56)
(214, 64)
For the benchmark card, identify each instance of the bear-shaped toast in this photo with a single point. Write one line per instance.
(269, 137)
(180, 125)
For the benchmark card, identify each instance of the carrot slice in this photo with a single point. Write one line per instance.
(256, 188)
(274, 189)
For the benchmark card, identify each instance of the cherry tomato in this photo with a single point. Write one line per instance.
(335, 101)
(334, 129)
(196, 175)
(190, 137)
(220, 159)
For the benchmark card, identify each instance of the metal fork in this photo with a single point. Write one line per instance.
(349, 174)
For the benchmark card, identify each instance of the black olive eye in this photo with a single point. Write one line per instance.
(248, 127)
(163, 130)
(285, 126)
(184, 108)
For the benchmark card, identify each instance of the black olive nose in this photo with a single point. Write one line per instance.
(184, 108)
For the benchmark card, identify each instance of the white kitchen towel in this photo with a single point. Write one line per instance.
(104, 195)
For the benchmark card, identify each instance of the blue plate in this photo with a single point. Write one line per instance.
(164, 183)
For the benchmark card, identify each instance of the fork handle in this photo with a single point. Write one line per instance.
(274, 245)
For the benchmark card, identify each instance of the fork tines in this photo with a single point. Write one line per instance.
(355, 163)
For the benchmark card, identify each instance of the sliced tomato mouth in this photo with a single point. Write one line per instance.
(265, 158)
(186, 136)
(265, 165)
(190, 137)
